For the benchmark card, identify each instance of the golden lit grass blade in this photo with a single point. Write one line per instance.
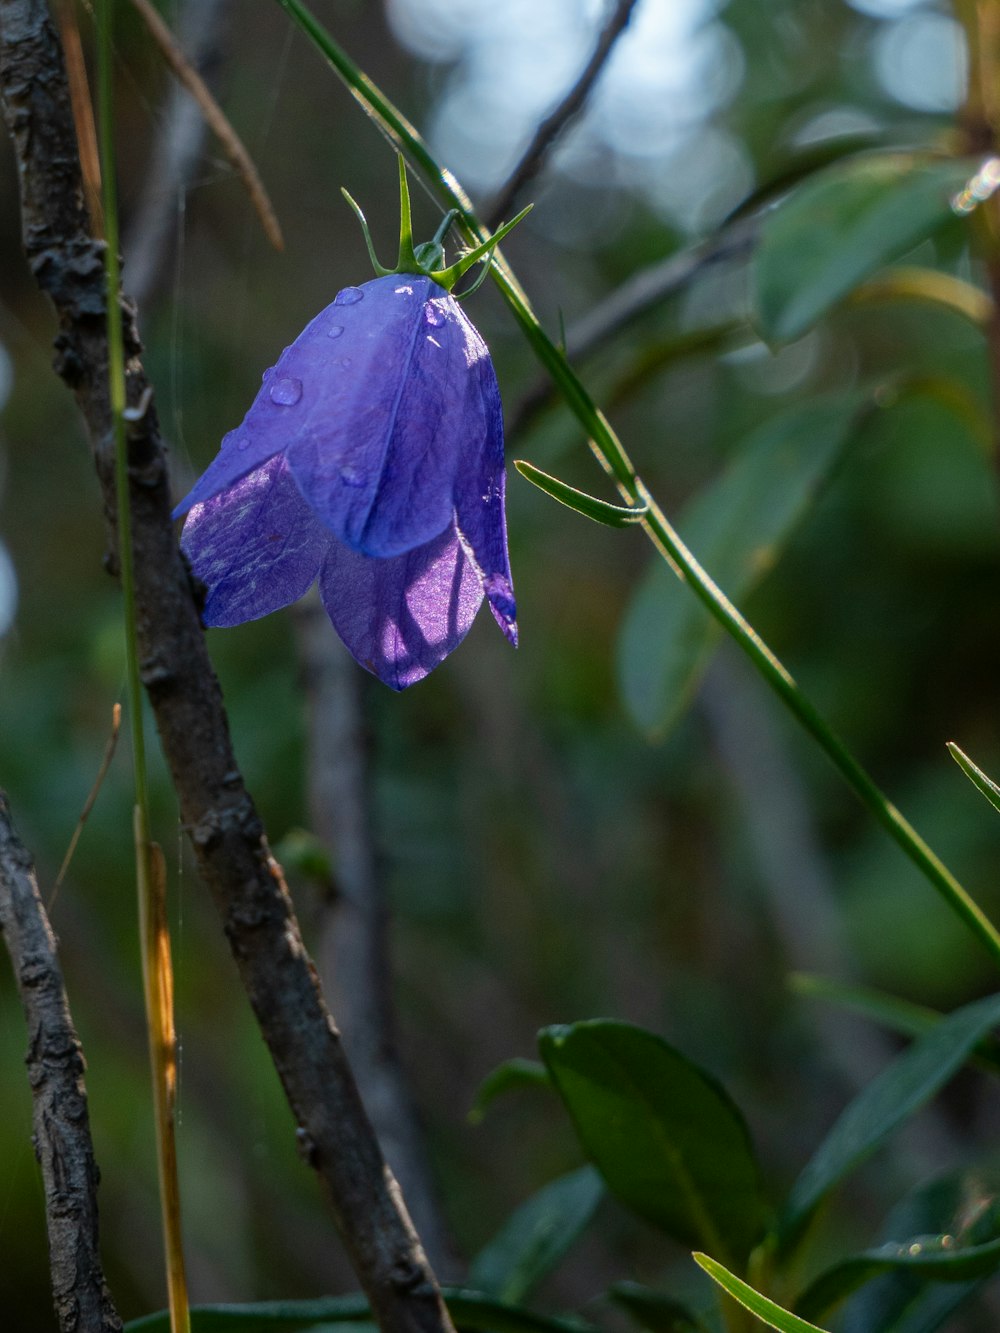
(216, 120)
(83, 114)
(158, 981)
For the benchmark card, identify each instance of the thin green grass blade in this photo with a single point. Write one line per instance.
(976, 775)
(612, 516)
(768, 1311)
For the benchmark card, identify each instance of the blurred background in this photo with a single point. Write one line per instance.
(545, 859)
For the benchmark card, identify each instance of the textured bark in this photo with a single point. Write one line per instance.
(334, 1134)
(62, 1139)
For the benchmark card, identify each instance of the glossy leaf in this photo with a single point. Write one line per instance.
(765, 1309)
(536, 1236)
(841, 227)
(737, 527)
(902, 1088)
(668, 1140)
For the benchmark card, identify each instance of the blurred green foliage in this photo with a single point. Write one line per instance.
(546, 862)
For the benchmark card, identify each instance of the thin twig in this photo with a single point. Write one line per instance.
(177, 148)
(554, 123)
(88, 805)
(352, 949)
(231, 142)
(334, 1134)
(62, 1139)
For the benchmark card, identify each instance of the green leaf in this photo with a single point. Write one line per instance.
(936, 1258)
(902, 1016)
(768, 1311)
(975, 775)
(737, 527)
(347, 1314)
(654, 1310)
(843, 226)
(667, 1139)
(612, 516)
(535, 1237)
(516, 1073)
(960, 1204)
(902, 1088)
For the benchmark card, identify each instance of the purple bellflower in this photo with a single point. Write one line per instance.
(372, 460)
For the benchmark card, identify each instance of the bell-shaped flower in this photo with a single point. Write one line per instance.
(371, 460)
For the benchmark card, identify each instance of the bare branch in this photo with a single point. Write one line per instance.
(334, 1133)
(216, 119)
(62, 1139)
(557, 120)
(176, 150)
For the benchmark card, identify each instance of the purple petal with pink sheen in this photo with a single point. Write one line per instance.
(256, 547)
(401, 616)
(479, 502)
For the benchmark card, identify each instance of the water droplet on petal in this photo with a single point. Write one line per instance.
(352, 476)
(345, 360)
(335, 330)
(244, 443)
(434, 315)
(286, 391)
(349, 296)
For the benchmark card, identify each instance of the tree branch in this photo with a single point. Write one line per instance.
(556, 121)
(334, 1133)
(62, 1139)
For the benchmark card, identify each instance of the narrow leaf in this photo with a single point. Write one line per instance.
(613, 516)
(738, 528)
(934, 1258)
(768, 1311)
(516, 1073)
(535, 1237)
(902, 1088)
(975, 775)
(667, 1139)
(844, 225)
(960, 1204)
(902, 1016)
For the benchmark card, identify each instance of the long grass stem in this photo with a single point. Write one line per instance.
(154, 941)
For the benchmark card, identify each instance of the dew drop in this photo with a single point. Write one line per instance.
(349, 296)
(352, 476)
(433, 315)
(335, 330)
(345, 361)
(244, 443)
(286, 391)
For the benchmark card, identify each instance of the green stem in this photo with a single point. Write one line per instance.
(612, 455)
(149, 873)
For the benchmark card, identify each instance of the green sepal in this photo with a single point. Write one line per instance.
(612, 516)
(426, 258)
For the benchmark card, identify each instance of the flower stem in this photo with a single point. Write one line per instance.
(150, 878)
(613, 457)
